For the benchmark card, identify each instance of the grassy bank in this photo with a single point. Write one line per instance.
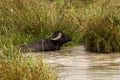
(103, 35)
(25, 68)
(25, 20)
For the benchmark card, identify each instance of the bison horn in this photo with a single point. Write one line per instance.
(58, 37)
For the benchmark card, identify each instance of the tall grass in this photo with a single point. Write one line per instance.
(25, 68)
(102, 29)
(103, 35)
(25, 20)
(37, 18)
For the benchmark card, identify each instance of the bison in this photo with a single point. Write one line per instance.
(51, 43)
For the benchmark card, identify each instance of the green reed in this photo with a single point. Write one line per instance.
(103, 35)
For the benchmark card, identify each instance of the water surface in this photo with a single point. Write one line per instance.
(75, 63)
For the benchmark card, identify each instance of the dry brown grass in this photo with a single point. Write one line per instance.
(25, 68)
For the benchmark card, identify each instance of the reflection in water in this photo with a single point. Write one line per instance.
(77, 64)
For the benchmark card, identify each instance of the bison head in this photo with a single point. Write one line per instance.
(60, 37)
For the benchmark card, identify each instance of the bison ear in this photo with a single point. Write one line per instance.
(57, 37)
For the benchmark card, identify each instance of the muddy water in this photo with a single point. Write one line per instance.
(77, 64)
